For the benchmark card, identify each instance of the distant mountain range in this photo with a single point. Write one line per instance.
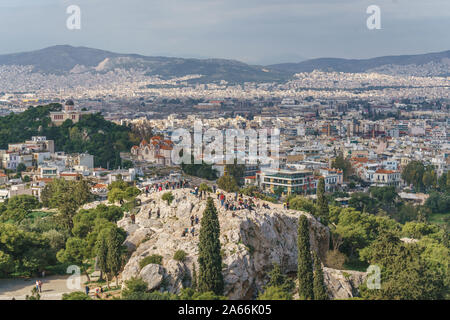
(361, 65)
(64, 59)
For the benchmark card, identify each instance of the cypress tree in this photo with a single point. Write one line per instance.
(305, 265)
(210, 260)
(320, 292)
(102, 252)
(322, 202)
(114, 255)
(194, 278)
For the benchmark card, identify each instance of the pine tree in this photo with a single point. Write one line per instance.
(322, 202)
(305, 268)
(209, 259)
(114, 255)
(320, 292)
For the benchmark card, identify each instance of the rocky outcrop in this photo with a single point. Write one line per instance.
(343, 284)
(153, 274)
(251, 242)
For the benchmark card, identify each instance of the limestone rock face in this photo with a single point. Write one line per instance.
(153, 274)
(343, 284)
(136, 238)
(251, 241)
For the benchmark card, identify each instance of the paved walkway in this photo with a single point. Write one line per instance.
(53, 287)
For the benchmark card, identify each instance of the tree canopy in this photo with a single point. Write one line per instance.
(93, 134)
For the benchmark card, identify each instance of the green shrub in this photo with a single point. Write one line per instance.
(275, 293)
(78, 295)
(227, 183)
(204, 187)
(137, 289)
(153, 259)
(191, 294)
(180, 255)
(168, 196)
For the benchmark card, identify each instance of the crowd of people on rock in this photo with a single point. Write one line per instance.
(230, 203)
(168, 185)
(194, 221)
(239, 203)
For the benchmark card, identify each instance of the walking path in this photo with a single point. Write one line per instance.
(53, 287)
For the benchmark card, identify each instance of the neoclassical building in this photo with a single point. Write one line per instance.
(69, 112)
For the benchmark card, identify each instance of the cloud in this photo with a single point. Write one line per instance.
(256, 31)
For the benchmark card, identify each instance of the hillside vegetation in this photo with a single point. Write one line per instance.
(93, 134)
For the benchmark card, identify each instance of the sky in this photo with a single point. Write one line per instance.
(252, 31)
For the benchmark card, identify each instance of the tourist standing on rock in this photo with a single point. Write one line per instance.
(133, 218)
(37, 285)
(40, 286)
(214, 188)
(158, 213)
(196, 219)
(192, 221)
(86, 289)
(193, 231)
(150, 213)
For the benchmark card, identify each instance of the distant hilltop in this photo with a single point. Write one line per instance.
(363, 65)
(65, 59)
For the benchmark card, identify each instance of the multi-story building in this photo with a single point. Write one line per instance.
(36, 144)
(10, 160)
(3, 178)
(333, 179)
(290, 181)
(48, 172)
(383, 177)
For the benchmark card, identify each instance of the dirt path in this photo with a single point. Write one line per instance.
(53, 287)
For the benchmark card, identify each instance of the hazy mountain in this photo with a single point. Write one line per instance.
(57, 59)
(65, 59)
(361, 65)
